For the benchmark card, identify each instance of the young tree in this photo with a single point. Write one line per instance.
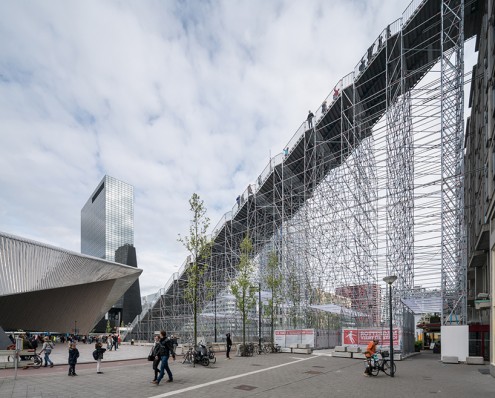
(242, 288)
(273, 280)
(199, 246)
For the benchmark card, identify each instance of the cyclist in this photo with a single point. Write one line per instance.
(370, 351)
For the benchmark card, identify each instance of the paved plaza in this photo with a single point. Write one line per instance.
(128, 374)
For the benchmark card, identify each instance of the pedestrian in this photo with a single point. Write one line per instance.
(335, 93)
(99, 355)
(309, 119)
(173, 338)
(155, 351)
(229, 345)
(47, 349)
(165, 350)
(115, 342)
(109, 342)
(324, 107)
(73, 355)
(370, 351)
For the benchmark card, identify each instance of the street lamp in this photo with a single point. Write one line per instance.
(259, 317)
(390, 280)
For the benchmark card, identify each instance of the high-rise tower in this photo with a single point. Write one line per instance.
(107, 219)
(107, 231)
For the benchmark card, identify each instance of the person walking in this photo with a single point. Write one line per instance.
(165, 350)
(47, 349)
(156, 357)
(99, 354)
(370, 351)
(73, 355)
(229, 345)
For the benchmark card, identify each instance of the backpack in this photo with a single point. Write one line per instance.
(166, 349)
(95, 355)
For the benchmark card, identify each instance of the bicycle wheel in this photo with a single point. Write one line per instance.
(374, 370)
(37, 361)
(387, 369)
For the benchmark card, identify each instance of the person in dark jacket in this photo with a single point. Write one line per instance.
(156, 355)
(73, 355)
(229, 345)
(165, 350)
(99, 350)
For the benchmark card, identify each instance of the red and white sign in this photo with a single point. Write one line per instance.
(364, 336)
(285, 338)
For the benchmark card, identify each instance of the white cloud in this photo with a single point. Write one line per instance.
(171, 97)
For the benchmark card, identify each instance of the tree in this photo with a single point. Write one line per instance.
(199, 247)
(242, 288)
(273, 280)
(108, 328)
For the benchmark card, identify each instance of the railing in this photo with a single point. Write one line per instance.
(376, 46)
(410, 10)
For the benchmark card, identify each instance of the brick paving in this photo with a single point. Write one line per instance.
(128, 374)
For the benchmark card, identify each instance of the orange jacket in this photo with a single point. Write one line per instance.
(370, 349)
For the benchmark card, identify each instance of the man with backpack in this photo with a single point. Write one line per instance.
(165, 350)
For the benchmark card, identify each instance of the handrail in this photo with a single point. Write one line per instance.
(410, 10)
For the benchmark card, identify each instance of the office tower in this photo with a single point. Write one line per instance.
(107, 219)
(107, 231)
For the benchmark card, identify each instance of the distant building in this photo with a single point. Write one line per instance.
(364, 299)
(107, 231)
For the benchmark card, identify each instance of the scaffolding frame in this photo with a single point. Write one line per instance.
(373, 188)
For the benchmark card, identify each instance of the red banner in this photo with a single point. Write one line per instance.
(364, 336)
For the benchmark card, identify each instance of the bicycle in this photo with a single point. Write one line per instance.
(32, 356)
(211, 355)
(188, 356)
(376, 364)
(247, 350)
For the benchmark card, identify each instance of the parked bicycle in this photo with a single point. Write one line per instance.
(377, 364)
(271, 348)
(247, 350)
(200, 356)
(32, 356)
(211, 355)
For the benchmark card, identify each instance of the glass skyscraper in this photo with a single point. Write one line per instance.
(107, 219)
(107, 231)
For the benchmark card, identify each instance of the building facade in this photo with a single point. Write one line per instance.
(107, 231)
(46, 288)
(107, 219)
(479, 194)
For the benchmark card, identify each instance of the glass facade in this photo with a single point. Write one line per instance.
(107, 219)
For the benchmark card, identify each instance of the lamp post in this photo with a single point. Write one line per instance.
(259, 317)
(390, 280)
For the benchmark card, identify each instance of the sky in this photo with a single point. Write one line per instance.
(172, 97)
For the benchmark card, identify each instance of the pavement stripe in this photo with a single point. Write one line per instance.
(168, 394)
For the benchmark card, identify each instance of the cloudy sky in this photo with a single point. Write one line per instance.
(172, 97)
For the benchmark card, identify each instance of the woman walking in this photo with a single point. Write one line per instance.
(155, 351)
(47, 349)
